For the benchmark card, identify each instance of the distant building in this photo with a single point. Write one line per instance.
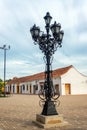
(67, 80)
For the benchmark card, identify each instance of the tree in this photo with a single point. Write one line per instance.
(0, 80)
(1, 86)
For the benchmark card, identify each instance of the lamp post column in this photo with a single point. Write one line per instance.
(48, 76)
(48, 64)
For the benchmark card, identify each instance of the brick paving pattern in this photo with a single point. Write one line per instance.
(18, 111)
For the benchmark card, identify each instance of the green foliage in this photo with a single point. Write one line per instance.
(1, 86)
(0, 80)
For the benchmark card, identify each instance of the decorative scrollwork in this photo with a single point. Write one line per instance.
(56, 96)
(42, 94)
(41, 103)
(57, 103)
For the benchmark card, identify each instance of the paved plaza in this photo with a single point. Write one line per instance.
(18, 111)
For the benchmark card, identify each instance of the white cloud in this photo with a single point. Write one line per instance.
(82, 38)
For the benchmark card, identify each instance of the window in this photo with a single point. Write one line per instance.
(57, 88)
(41, 86)
(36, 87)
(23, 87)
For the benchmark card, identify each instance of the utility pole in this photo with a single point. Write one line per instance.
(5, 48)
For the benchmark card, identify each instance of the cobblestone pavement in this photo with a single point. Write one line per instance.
(18, 111)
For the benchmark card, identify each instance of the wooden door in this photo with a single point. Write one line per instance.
(67, 89)
(17, 89)
(30, 89)
(34, 89)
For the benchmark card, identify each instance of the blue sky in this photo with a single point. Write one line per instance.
(24, 58)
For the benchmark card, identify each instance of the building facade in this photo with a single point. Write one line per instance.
(66, 80)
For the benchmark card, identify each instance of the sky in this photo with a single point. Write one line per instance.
(24, 58)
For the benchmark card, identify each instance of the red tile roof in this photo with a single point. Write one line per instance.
(61, 71)
(39, 76)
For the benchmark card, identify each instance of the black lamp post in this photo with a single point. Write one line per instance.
(48, 42)
(5, 48)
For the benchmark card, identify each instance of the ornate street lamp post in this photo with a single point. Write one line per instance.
(48, 42)
(5, 48)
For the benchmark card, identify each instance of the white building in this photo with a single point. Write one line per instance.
(67, 80)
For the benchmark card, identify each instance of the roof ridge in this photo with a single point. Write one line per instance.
(61, 71)
(70, 66)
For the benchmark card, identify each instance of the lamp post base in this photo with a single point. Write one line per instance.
(49, 108)
(50, 121)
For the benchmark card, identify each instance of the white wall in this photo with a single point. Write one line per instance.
(78, 82)
(21, 90)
